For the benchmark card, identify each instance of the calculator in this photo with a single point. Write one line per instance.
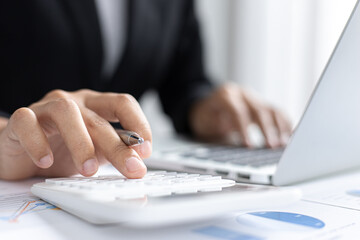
(159, 198)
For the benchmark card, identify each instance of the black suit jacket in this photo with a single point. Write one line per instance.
(56, 44)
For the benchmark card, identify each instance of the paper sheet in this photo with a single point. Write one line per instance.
(23, 216)
(341, 191)
(302, 220)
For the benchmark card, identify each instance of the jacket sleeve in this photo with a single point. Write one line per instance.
(4, 114)
(186, 82)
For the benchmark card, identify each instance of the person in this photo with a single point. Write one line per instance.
(71, 68)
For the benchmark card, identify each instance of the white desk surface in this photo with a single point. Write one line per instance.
(333, 204)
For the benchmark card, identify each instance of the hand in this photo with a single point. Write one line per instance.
(69, 132)
(231, 108)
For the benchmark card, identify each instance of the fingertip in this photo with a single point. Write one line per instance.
(144, 150)
(90, 167)
(135, 168)
(285, 139)
(246, 141)
(271, 143)
(46, 161)
(275, 143)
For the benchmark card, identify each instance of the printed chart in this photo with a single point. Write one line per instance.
(13, 206)
(264, 222)
(291, 218)
(355, 192)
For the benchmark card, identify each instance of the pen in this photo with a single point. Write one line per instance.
(129, 137)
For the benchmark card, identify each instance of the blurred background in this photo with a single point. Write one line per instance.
(278, 48)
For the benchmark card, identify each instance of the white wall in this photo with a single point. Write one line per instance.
(214, 18)
(277, 47)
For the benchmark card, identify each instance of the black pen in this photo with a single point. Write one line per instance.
(130, 138)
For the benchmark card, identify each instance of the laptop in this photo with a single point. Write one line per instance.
(325, 141)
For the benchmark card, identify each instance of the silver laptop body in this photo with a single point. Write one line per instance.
(326, 140)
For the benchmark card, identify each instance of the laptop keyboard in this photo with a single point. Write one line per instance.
(239, 156)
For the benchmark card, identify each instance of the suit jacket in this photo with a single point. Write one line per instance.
(56, 44)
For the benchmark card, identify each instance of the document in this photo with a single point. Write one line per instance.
(341, 191)
(24, 216)
(19, 209)
(303, 220)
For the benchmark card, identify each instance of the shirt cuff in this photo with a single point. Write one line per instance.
(4, 114)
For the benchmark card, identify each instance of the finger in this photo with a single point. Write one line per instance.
(143, 149)
(265, 121)
(283, 126)
(125, 109)
(25, 128)
(238, 113)
(63, 115)
(263, 118)
(109, 144)
(242, 122)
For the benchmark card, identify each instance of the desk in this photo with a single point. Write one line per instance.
(24, 217)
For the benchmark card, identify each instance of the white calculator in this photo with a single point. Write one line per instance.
(160, 198)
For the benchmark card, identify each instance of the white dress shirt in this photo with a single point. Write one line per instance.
(112, 18)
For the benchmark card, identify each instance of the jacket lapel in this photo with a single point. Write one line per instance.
(88, 38)
(144, 28)
(142, 34)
